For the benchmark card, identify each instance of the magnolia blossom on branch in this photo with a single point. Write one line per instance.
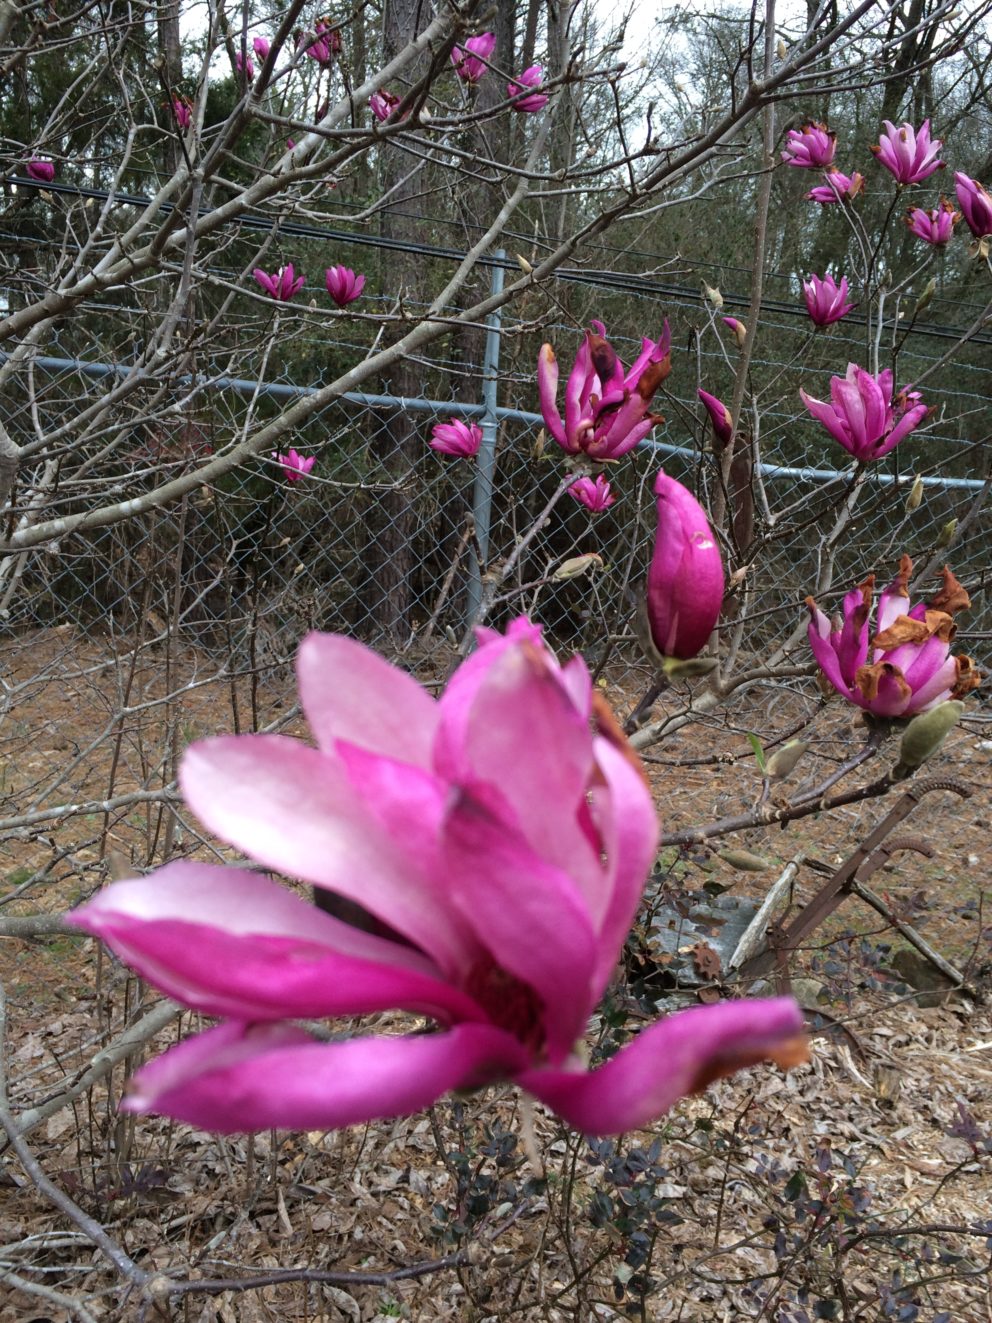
(839, 187)
(41, 171)
(343, 285)
(907, 667)
(908, 154)
(826, 301)
(499, 838)
(861, 415)
(594, 494)
(531, 77)
(933, 227)
(975, 203)
(456, 438)
(283, 286)
(469, 60)
(811, 147)
(294, 465)
(606, 409)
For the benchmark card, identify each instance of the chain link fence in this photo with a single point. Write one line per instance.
(388, 541)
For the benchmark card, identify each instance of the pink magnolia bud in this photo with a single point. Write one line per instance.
(739, 330)
(343, 285)
(182, 112)
(719, 416)
(531, 77)
(811, 147)
(43, 172)
(469, 60)
(975, 204)
(261, 47)
(826, 301)
(907, 153)
(685, 581)
(244, 65)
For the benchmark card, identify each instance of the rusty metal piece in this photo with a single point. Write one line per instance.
(860, 864)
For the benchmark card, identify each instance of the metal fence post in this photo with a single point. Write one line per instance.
(485, 465)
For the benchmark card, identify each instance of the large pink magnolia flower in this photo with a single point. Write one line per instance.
(469, 60)
(606, 409)
(975, 204)
(685, 580)
(826, 301)
(838, 188)
(861, 416)
(811, 147)
(907, 667)
(594, 494)
(907, 153)
(500, 837)
(933, 227)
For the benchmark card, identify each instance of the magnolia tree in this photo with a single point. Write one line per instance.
(485, 852)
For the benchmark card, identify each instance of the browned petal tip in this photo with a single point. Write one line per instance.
(793, 1052)
(902, 579)
(604, 356)
(952, 596)
(869, 678)
(652, 377)
(904, 629)
(969, 677)
(607, 725)
(790, 1052)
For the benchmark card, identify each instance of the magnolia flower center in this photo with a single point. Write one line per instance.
(509, 1002)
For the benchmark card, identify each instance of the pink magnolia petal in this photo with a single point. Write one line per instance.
(232, 943)
(820, 641)
(675, 1057)
(294, 809)
(825, 414)
(628, 827)
(528, 914)
(349, 692)
(242, 1078)
(928, 693)
(521, 703)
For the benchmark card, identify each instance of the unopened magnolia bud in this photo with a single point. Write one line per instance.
(925, 299)
(714, 296)
(576, 565)
(947, 534)
(915, 498)
(524, 265)
(678, 669)
(782, 761)
(744, 861)
(924, 735)
(537, 450)
(781, 50)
